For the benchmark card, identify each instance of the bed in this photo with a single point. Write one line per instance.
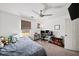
(23, 47)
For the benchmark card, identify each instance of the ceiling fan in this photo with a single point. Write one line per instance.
(41, 13)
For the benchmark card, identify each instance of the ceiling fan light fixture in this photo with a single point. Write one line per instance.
(41, 13)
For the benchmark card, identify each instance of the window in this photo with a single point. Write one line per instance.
(25, 27)
(25, 24)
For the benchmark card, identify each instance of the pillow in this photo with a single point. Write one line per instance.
(15, 38)
(10, 38)
(1, 45)
(1, 38)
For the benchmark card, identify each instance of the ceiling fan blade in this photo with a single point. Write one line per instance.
(35, 12)
(48, 14)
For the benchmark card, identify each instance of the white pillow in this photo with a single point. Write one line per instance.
(1, 45)
(15, 38)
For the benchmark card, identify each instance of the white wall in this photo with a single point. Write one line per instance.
(9, 24)
(48, 24)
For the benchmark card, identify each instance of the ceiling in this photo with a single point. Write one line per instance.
(25, 9)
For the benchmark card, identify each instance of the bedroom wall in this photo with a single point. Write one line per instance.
(48, 24)
(9, 24)
(58, 18)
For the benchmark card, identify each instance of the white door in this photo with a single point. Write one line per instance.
(70, 40)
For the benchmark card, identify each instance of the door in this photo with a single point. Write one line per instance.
(68, 40)
(70, 30)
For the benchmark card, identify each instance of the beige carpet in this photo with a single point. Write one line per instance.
(54, 50)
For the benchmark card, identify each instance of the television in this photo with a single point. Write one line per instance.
(47, 31)
(74, 11)
(42, 31)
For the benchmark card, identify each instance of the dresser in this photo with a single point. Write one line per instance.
(57, 41)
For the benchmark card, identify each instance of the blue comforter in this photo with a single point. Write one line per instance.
(23, 47)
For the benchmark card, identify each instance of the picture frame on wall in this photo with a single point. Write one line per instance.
(56, 27)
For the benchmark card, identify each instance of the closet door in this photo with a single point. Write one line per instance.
(71, 33)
